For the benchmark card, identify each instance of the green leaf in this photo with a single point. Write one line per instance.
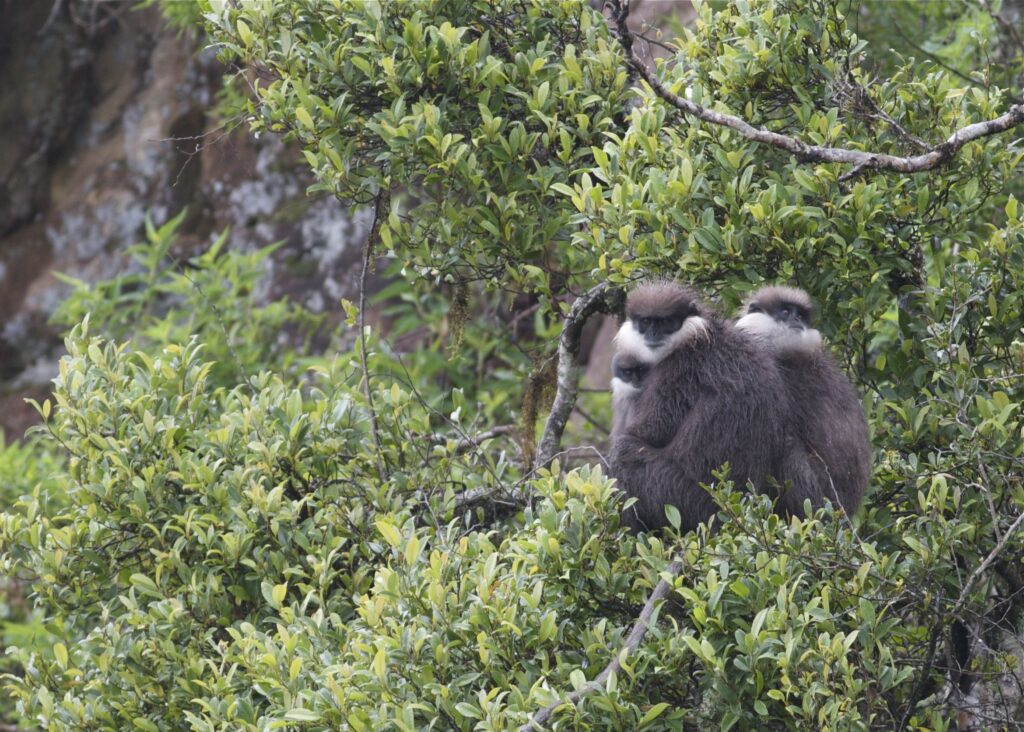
(304, 117)
(299, 714)
(60, 652)
(388, 530)
(653, 713)
(244, 34)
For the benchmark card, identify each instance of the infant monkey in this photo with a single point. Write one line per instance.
(628, 372)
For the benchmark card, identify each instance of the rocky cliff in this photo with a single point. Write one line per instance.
(105, 118)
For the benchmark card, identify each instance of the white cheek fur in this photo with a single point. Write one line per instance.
(778, 337)
(622, 389)
(628, 340)
(759, 325)
(693, 328)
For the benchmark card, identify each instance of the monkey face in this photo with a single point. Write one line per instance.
(656, 330)
(790, 315)
(629, 369)
(661, 316)
(780, 317)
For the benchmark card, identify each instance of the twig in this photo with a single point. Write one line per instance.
(516, 495)
(1009, 27)
(590, 418)
(50, 19)
(859, 95)
(992, 556)
(381, 203)
(510, 496)
(633, 641)
(603, 298)
(935, 157)
(470, 441)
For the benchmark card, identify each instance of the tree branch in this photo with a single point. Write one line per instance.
(470, 441)
(603, 298)
(862, 160)
(633, 641)
(381, 204)
(980, 569)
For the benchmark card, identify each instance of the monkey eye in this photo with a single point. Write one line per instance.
(754, 309)
(786, 310)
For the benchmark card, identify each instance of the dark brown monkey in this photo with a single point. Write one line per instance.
(711, 397)
(828, 454)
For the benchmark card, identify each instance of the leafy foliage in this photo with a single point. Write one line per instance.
(215, 297)
(234, 550)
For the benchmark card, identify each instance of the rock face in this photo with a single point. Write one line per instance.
(105, 117)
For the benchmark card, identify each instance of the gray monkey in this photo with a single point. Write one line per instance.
(828, 452)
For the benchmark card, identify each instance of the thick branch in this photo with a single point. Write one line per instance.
(603, 298)
(933, 158)
(633, 641)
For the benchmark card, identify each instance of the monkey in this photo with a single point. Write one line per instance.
(628, 372)
(710, 396)
(828, 451)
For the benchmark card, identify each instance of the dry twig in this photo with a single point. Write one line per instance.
(980, 569)
(381, 204)
(633, 641)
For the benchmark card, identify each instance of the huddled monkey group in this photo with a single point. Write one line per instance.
(692, 391)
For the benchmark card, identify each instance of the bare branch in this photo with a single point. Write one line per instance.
(935, 156)
(51, 18)
(633, 641)
(381, 204)
(470, 441)
(980, 569)
(603, 298)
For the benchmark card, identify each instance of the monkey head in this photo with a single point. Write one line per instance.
(780, 319)
(628, 372)
(660, 316)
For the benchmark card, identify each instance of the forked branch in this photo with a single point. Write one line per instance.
(603, 298)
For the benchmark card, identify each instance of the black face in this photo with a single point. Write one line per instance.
(790, 314)
(629, 370)
(656, 330)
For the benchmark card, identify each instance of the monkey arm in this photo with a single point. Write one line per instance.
(657, 412)
(657, 476)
